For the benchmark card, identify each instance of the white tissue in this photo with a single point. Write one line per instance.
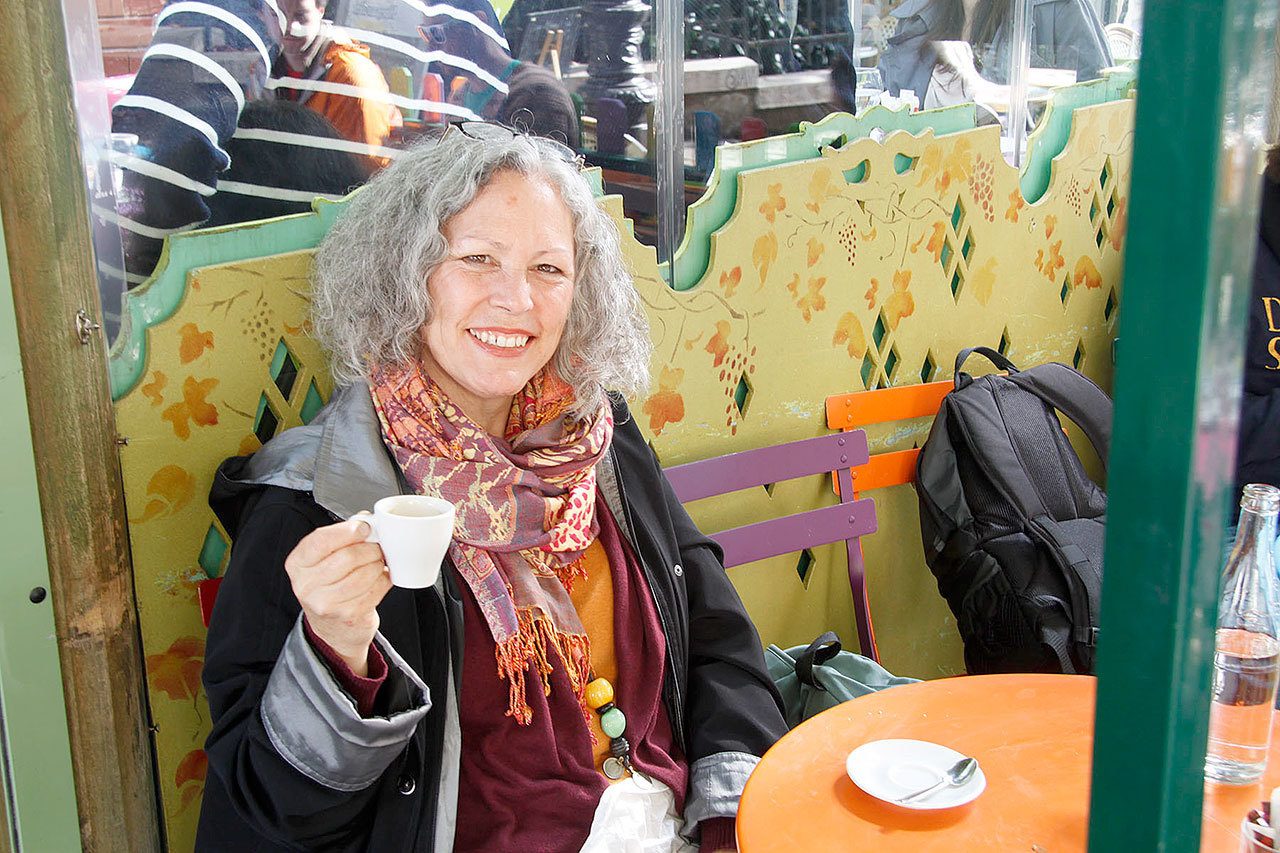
(637, 815)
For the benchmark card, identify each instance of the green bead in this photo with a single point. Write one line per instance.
(613, 723)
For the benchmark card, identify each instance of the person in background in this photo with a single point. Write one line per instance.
(1065, 34)
(206, 61)
(488, 81)
(317, 68)
(269, 178)
(1258, 444)
(583, 675)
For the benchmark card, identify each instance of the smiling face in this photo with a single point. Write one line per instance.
(501, 297)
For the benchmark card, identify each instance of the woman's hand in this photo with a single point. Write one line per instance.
(339, 579)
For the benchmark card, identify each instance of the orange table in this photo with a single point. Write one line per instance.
(1032, 734)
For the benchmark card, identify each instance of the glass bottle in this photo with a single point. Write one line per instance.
(1246, 661)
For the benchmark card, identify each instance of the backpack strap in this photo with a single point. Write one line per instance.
(818, 653)
(1073, 394)
(996, 358)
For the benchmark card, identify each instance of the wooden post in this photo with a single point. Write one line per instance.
(43, 203)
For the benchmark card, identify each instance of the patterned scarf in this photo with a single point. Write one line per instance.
(525, 511)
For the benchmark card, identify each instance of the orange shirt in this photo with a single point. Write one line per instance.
(592, 597)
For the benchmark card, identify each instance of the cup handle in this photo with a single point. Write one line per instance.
(367, 517)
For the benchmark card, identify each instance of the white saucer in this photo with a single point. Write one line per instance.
(891, 769)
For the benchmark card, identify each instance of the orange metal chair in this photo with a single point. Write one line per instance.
(860, 409)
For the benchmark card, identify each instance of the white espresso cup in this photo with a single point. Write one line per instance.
(414, 532)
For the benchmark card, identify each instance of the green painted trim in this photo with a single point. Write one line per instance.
(1050, 136)
(40, 796)
(710, 212)
(159, 296)
(1193, 226)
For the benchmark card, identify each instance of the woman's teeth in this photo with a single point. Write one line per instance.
(496, 340)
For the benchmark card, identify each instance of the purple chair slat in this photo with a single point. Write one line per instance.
(723, 474)
(796, 532)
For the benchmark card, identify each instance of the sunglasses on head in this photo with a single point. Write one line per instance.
(492, 131)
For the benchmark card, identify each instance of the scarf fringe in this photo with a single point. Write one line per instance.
(528, 648)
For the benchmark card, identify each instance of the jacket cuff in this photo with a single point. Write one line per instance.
(363, 688)
(718, 835)
(316, 727)
(715, 785)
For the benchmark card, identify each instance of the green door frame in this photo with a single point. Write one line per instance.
(36, 779)
(1202, 87)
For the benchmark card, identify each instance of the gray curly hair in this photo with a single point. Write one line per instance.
(369, 296)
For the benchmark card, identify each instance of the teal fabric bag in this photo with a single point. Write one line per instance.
(819, 676)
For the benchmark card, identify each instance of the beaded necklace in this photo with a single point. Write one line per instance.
(599, 696)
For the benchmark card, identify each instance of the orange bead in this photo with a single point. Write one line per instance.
(599, 693)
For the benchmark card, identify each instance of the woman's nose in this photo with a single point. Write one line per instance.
(512, 292)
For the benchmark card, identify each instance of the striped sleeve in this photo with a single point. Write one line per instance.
(206, 59)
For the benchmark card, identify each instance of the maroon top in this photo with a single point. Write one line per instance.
(535, 788)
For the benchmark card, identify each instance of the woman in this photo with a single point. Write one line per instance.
(1064, 34)
(475, 304)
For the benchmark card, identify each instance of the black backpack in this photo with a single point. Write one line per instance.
(1012, 526)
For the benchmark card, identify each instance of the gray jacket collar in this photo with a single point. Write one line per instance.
(341, 459)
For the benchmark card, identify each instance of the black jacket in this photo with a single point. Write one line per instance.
(1258, 448)
(267, 787)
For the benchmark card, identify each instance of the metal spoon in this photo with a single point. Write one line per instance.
(959, 773)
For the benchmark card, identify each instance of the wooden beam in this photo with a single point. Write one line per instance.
(43, 200)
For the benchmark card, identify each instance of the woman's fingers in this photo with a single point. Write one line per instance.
(333, 568)
(322, 542)
(349, 592)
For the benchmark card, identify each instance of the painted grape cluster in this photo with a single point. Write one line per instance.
(980, 187)
(738, 365)
(849, 240)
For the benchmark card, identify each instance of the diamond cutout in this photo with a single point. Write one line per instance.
(768, 488)
(267, 421)
(1066, 289)
(1078, 358)
(858, 173)
(957, 281)
(742, 394)
(1003, 348)
(284, 370)
(878, 331)
(967, 249)
(312, 403)
(1111, 206)
(1104, 177)
(1094, 210)
(957, 216)
(1110, 308)
(945, 255)
(1101, 236)
(212, 552)
(903, 164)
(890, 362)
(927, 369)
(868, 370)
(804, 565)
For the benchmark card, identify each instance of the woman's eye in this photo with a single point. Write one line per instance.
(550, 269)
(476, 259)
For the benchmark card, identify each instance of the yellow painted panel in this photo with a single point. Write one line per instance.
(873, 265)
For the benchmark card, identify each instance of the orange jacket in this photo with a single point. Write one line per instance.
(367, 120)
